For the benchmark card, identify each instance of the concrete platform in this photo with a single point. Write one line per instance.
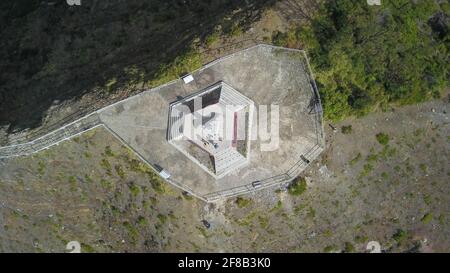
(265, 74)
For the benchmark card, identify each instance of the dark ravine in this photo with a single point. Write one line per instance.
(64, 56)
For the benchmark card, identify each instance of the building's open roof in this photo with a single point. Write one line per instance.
(207, 122)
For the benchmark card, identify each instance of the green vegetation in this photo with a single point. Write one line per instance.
(349, 248)
(73, 183)
(427, 218)
(247, 220)
(213, 37)
(87, 248)
(423, 167)
(105, 184)
(366, 56)
(330, 248)
(106, 165)
(87, 178)
(299, 208)
(278, 206)
(289, 39)
(110, 84)
(382, 138)
(298, 186)
(427, 199)
(372, 158)
(108, 151)
(203, 232)
(162, 218)
(142, 221)
(134, 75)
(311, 212)
(184, 63)
(156, 183)
(132, 231)
(263, 222)
(400, 235)
(361, 239)
(367, 168)
(242, 202)
(41, 167)
(235, 30)
(120, 172)
(135, 190)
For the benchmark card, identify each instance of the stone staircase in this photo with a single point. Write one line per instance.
(227, 159)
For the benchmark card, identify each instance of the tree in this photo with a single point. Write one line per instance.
(367, 56)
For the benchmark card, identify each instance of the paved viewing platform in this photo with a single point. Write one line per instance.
(264, 74)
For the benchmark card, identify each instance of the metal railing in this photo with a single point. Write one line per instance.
(53, 138)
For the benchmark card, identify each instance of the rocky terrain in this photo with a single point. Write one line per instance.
(384, 177)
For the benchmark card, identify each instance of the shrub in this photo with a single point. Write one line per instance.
(156, 183)
(41, 167)
(242, 202)
(427, 218)
(135, 190)
(132, 231)
(342, 39)
(330, 248)
(400, 235)
(87, 248)
(105, 184)
(162, 218)
(367, 168)
(291, 38)
(108, 151)
(297, 187)
(186, 62)
(73, 183)
(212, 38)
(348, 247)
(142, 221)
(311, 212)
(111, 83)
(427, 199)
(382, 138)
(120, 172)
(235, 30)
(361, 239)
(106, 165)
(263, 222)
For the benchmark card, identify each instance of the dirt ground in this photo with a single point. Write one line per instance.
(93, 190)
